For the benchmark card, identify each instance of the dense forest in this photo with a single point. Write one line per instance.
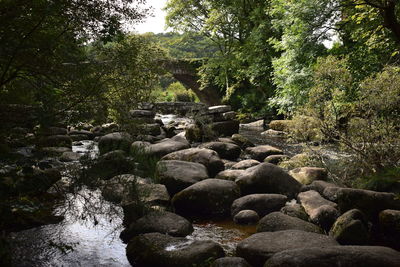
(327, 72)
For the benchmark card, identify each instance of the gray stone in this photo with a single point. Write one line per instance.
(275, 159)
(307, 175)
(224, 150)
(70, 156)
(225, 128)
(261, 152)
(295, 210)
(140, 113)
(277, 221)
(242, 141)
(320, 186)
(118, 188)
(115, 141)
(245, 164)
(336, 256)
(260, 203)
(153, 194)
(351, 228)
(246, 217)
(165, 147)
(230, 175)
(389, 224)
(258, 248)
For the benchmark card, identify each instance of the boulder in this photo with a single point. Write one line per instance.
(115, 141)
(153, 194)
(141, 113)
(87, 135)
(275, 159)
(224, 150)
(110, 164)
(242, 141)
(277, 221)
(230, 175)
(336, 256)
(245, 164)
(52, 131)
(55, 141)
(258, 248)
(176, 175)
(70, 156)
(225, 128)
(389, 223)
(163, 222)
(273, 133)
(165, 147)
(369, 202)
(267, 178)
(118, 188)
(351, 228)
(307, 175)
(153, 129)
(159, 250)
(207, 157)
(206, 199)
(330, 192)
(228, 163)
(321, 211)
(295, 210)
(219, 109)
(230, 262)
(252, 125)
(54, 151)
(246, 217)
(260, 203)
(261, 152)
(320, 186)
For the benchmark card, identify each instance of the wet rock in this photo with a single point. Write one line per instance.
(165, 147)
(230, 262)
(245, 164)
(206, 199)
(230, 175)
(70, 156)
(242, 141)
(369, 202)
(261, 152)
(275, 159)
(207, 157)
(177, 175)
(307, 175)
(258, 248)
(277, 221)
(158, 250)
(225, 128)
(224, 150)
(321, 211)
(336, 256)
(158, 222)
(351, 228)
(267, 178)
(115, 141)
(260, 203)
(246, 217)
(295, 210)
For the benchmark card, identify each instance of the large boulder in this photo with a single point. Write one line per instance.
(206, 199)
(276, 159)
(230, 262)
(163, 222)
(207, 157)
(336, 256)
(110, 164)
(165, 147)
(277, 221)
(159, 250)
(369, 202)
(306, 175)
(153, 194)
(389, 223)
(295, 210)
(176, 175)
(351, 228)
(242, 141)
(115, 141)
(260, 203)
(245, 164)
(225, 128)
(267, 178)
(70, 156)
(258, 248)
(321, 211)
(119, 187)
(224, 150)
(230, 175)
(261, 152)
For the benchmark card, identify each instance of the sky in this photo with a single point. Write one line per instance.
(156, 23)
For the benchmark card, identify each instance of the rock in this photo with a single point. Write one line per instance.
(224, 150)
(37, 181)
(260, 203)
(79, 137)
(139, 146)
(219, 109)
(118, 188)
(70, 156)
(180, 138)
(225, 128)
(55, 141)
(279, 125)
(206, 199)
(320, 186)
(336, 256)
(274, 133)
(350, 228)
(230, 262)
(330, 192)
(207, 157)
(228, 163)
(246, 217)
(275, 159)
(254, 124)
(245, 164)
(140, 113)
(230, 115)
(194, 133)
(54, 151)
(226, 140)
(369, 202)
(321, 211)
(158, 222)
(267, 178)
(230, 175)
(159, 250)
(111, 164)
(165, 147)
(277, 221)
(261, 152)
(176, 175)
(115, 141)
(88, 135)
(258, 248)
(307, 175)
(52, 131)
(153, 194)
(295, 210)
(242, 141)
(389, 223)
